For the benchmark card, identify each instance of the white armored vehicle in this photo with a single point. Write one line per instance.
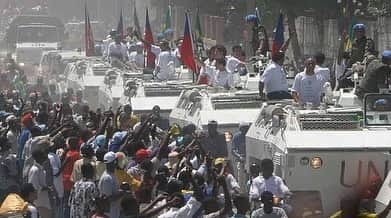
(325, 153)
(145, 95)
(227, 108)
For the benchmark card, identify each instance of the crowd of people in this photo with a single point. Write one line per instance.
(65, 160)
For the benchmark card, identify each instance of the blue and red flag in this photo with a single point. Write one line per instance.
(88, 36)
(278, 40)
(186, 50)
(120, 27)
(148, 41)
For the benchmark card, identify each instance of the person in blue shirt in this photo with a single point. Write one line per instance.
(239, 139)
(27, 123)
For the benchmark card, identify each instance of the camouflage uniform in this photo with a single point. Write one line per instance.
(259, 40)
(361, 48)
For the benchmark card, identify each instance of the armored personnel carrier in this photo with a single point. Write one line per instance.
(323, 154)
(145, 95)
(227, 108)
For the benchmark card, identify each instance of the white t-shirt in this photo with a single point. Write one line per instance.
(276, 213)
(224, 79)
(209, 70)
(156, 50)
(106, 44)
(323, 71)
(118, 50)
(55, 162)
(138, 59)
(33, 210)
(309, 87)
(166, 62)
(273, 184)
(274, 78)
(232, 64)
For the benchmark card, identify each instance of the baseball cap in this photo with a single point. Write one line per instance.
(219, 160)
(109, 157)
(141, 154)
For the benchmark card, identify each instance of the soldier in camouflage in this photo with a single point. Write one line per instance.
(259, 39)
(363, 48)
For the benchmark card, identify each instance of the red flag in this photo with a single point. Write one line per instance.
(89, 37)
(148, 39)
(186, 50)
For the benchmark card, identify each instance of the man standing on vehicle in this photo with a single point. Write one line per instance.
(308, 85)
(273, 81)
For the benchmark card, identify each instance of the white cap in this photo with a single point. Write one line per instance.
(109, 157)
(140, 44)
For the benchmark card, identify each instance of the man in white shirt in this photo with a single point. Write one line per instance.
(268, 182)
(106, 42)
(268, 210)
(37, 177)
(207, 72)
(223, 78)
(308, 86)
(323, 71)
(234, 61)
(118, 50)
(165, 66)
(273, 81)
(137, 57)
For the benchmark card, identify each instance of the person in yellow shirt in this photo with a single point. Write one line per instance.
(127, 119)
(121, 174)
(350, 208)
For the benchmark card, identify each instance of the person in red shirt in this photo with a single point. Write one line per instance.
(71, 156)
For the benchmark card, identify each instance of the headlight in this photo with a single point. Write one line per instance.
(304, 161)
(316, 162)
(21, 64)
(228, 136)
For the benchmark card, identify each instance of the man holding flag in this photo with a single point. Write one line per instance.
(273, 81)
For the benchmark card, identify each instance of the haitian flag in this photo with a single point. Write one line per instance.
(120, 27)
(148, 41)
(278, 40)
(88, 36)
(186, 50)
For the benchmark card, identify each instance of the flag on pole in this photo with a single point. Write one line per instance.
(278, 40)
(258, 14)
(135, 19)
(186, 50)
(198, 31)
(148, 39)
(167, 23)
(88, 36)
(349, 43)
(120, 27)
